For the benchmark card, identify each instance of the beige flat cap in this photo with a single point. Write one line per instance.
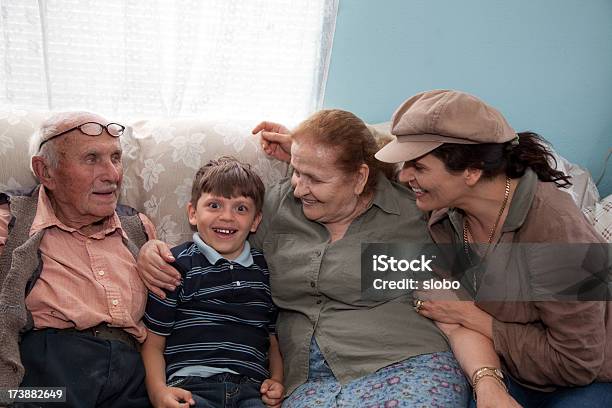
(430, 119)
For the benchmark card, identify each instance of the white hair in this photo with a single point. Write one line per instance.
(55, 124)
(47, 151)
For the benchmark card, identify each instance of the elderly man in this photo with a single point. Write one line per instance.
(71, 300)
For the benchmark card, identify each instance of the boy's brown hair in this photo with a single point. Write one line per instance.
(227, 177)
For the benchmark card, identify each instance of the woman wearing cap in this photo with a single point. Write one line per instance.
(494, 194)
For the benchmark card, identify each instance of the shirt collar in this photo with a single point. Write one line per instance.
(45, 218)
(245, 258)
(521, 201)
(385, 196)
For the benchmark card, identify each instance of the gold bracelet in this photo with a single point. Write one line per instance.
(493, 370)
(482, 372)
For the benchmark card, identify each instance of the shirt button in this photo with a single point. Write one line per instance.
(101, 273)
(231, 266)
(318, 253)
(237, 283)
(319, 302)
(312, 284)
(115, 302)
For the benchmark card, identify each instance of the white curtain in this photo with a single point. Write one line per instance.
(214, 58)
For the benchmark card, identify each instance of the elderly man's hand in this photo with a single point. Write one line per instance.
(275, 140)
(154, 269)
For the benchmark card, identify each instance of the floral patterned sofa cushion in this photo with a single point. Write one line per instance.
(161, 156)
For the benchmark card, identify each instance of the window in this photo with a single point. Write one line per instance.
(214, 58)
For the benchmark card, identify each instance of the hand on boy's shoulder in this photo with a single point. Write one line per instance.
(272, 393)
(154, 270)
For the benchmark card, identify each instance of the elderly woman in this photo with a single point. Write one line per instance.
(490, 191)
(339, 348)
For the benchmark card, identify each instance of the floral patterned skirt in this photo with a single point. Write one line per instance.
(428, 380)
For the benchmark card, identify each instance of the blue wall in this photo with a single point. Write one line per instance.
(546, 64)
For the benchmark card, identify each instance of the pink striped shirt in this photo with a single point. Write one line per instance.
(85, 280)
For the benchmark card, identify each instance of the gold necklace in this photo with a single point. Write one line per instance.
(466, 231)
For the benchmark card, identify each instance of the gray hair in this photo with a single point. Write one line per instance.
(47, 151)
(55, 124)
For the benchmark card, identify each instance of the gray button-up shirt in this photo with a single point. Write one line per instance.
(317, 286)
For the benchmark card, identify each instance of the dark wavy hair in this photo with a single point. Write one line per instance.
(510, 159)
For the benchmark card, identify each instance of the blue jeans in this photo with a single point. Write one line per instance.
(222, 391)
(592, 395)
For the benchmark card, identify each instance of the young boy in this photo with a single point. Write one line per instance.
(210, 340)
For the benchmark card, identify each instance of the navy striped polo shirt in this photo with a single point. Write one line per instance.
(220, 316)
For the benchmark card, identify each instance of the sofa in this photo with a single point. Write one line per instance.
(161, 156)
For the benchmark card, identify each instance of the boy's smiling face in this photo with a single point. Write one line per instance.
(224, 223)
